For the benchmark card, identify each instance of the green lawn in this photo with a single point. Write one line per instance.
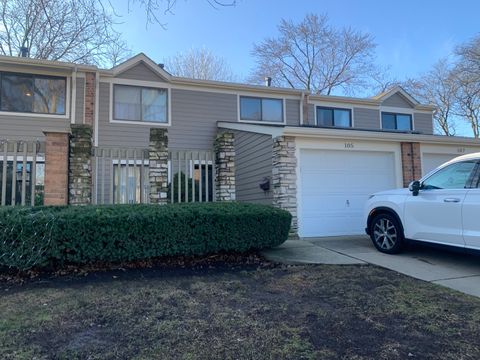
(309, 312)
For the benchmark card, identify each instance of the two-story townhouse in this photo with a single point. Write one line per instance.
(317, 156)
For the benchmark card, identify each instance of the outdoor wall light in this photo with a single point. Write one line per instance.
(265, 184)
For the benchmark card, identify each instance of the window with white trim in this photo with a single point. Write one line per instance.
(329, 116)
(393, 121)
(261, 109)
(135, 103)
(32, 93)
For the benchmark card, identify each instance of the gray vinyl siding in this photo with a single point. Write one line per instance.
(30, 128)
(423, 123)
(141, 72)
(397, 100)
(80, 100)
(194, 120)
(195, 115)
(253, 162)
(366, 118)
(292, 112)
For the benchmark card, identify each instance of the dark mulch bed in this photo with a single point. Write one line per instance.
(209, 309)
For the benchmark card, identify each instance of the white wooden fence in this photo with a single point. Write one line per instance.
(22, 165)
(120, 176)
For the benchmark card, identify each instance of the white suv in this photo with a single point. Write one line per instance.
(442, 208)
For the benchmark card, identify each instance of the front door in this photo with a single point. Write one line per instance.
(435, 215)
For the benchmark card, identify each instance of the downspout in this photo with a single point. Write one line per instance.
(74, 95)
(302, 98)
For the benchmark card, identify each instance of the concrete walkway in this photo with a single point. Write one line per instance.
(454, 270)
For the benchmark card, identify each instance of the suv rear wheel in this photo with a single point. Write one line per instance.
(386, 234)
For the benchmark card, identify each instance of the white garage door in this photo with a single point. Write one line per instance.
(431, 161)
(335, 186)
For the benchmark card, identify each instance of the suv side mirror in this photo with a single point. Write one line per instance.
(414, 187)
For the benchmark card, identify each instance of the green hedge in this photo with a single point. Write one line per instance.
(43, 236)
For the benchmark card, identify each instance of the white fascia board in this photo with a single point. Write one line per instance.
(274, 131)
(309, 132)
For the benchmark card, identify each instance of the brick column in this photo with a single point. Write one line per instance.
(80, 166)
(158, 166)
(411, 162)
(90, 86)
(224, 167)
(284, 178)
(56, 168)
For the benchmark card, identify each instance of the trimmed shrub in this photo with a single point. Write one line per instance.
(42, 236)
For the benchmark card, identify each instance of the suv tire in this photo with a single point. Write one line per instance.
(387, 234)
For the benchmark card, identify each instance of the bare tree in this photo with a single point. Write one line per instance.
(313, 55)
(468, 101)
(467, 73)
(200, 63)
(69, 30)
(438, 87)
(155, 7)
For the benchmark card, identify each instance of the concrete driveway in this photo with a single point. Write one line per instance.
(454, 270)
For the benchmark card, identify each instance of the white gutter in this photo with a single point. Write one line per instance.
(311, 132)
(97, 104)
(74, 95)
(302, 99)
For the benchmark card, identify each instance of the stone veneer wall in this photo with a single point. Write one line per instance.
(80, 165)
(158, 165)
(284, 178)
(411, 162)
(224, 167)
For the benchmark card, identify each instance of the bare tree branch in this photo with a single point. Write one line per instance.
(200, 63)
(68, 30)
(314, 56)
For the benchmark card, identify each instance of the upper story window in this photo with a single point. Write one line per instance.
(134, 103)
(334, 117)
(261, 109)
(32, 93)
(392, 121)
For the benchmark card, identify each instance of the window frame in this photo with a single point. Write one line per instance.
(469, 184)
(33, 76)
(140, 83)
(333, 108)
(395, 114)
(239, 105)
(141, 121)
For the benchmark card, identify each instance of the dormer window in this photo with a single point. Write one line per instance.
(394, 121)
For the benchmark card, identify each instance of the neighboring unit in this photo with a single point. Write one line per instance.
(319, 157)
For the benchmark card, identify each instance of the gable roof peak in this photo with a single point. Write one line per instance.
(397, 89)
(141, 58)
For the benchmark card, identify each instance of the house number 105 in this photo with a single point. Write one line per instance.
(349, 145)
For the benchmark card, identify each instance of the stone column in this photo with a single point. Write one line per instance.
(224, 167)
(80, 166)
(284, 178)
(56, 168)
(158, 165)
(411, 162)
